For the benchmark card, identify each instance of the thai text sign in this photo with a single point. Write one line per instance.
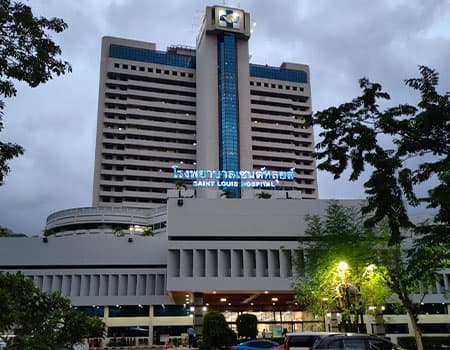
(233, 178)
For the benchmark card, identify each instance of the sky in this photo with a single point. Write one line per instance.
(383, 40)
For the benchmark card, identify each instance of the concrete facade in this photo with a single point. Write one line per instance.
(222, 254)
(159, 109)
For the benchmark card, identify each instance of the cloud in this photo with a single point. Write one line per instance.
(341, 42)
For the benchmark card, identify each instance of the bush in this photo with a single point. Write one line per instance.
(216, 332)
(247, 326)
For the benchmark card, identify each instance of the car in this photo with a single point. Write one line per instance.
(2, 343)
(255, 344)
(303, 340)
(354, 341)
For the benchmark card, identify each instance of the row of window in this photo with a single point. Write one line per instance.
(145, 148)
(130, 79)
(426, 328)
(139, 88)
(156, 201)
(122, 97)
(104, 227)
(136, 311)
(275, 86)
(154, 70)
(151, 56)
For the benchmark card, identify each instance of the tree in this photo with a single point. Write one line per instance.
(338, 265)
(226, 192)
(247, 326)
(40, 320)
(4, 231)
(376, 268)
(28, 54)
(148, 231)
(180, 184)
(352, 138)
(264, 195)
(216, 332)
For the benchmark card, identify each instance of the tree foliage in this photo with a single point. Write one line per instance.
(40, 320)
(351, 138)
(377, 269)
(216, 332)
(28, 54)
(340, 237)
(247, 326)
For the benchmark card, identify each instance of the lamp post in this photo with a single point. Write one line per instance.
(346, 296)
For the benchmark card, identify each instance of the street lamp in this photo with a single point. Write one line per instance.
(347, 294)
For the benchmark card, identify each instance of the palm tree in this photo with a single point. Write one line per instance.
(180, 183)
(226, 193)
(264, 195)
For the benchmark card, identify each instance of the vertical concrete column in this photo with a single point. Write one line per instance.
(446, 281)
(198, 313)
(283, 264)
(272, 263)
(234, 257)
(150, 328)
(247, 263)
(186, 263)
(211, 263)
(259, 263)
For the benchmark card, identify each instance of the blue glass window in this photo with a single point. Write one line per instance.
(228, 108)
(277, 73)
(151, 56)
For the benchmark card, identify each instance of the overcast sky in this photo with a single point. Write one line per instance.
(341, 41)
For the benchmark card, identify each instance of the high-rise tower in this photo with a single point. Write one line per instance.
(206, 108)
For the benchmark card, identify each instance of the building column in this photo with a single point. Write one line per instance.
(198, 313)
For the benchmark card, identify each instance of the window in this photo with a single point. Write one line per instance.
(379, 344)
(133, 67)
(183, 74)
(158, 71)
(354, 343)
(116, 65)
(190, 75)
(142, 69)
(129, 311)
(150, 70)
(166, 72)
(396, 328)
(91, 310)
(125, 66)
(170, 310)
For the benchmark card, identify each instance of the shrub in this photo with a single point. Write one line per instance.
(216, 332)
(247, 326)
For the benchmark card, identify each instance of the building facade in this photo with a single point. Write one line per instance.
(161, 245)
(234, 256)
(206, 108)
